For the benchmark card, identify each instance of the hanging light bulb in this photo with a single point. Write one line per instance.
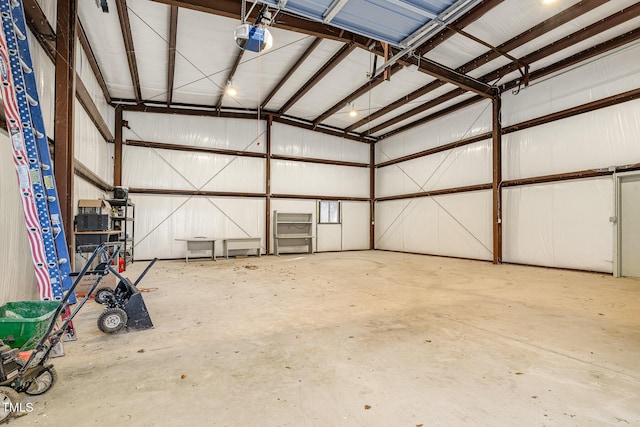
(230, 90)
(353, 112)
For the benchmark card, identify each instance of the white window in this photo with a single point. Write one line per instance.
(329, 212)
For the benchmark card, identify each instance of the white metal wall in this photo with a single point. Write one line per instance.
(566, 224)
(561, 224)
(222, 217)
(161, 219)
(453, 225)
(17, 281)
(313, 179)
(457, 225)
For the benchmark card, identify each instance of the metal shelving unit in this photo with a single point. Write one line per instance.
(123, 220)
(292, 230)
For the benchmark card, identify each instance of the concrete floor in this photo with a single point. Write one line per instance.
(357, 339)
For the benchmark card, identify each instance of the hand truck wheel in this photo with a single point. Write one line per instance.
(112, 320)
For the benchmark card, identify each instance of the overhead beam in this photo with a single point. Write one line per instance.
(468, 18)
(417, 110)
(555, 21)
(125, 27)
(93, 63)
(585, 33)
(229, 78)
(190, 148)
(370, 85)
(534, 32)
(92, 111)
(449, 75)
(287, 21)
(40, 27)
(319, 75)
(314, 44)
(171, 63)
(433, 116)
(396, 104)
(322, 129)
(579, 57)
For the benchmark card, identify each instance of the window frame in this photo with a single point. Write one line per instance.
(338, 203)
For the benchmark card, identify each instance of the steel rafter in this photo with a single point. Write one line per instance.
(125, 27)
(171, 63)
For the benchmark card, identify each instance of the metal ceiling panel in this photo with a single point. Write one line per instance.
(346, 77)
(390, 21)
(514, 17)
(320, 56)
(577, 24)
(457, 51)
(440, 107)
(257, 74)
(406, 107)
(205, 50)
(103, 32)
(403, 82)
(150, 32)
(379, 19)
(592, 41)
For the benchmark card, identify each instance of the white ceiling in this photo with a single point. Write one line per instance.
(206, 52)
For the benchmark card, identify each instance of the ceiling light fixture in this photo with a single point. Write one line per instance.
(352, 111)
(546, 2)
(230, 90)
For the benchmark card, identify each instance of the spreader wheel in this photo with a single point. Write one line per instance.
(43, 382)
(112, 320)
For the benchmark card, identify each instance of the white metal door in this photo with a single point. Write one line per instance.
(629, 225)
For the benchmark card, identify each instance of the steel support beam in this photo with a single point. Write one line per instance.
(436, 115)
(319, 75)
(368, 86)
(93, 63)
(497, 181)
(230, 74)
(125, 27)
(171, 64)
(117, 149)
(40, 27)
(65, 81)
(286, 21)
(372, 196)
(193, 149)
(554, 22)
(267, 186)
(316, 42)
(92, 111)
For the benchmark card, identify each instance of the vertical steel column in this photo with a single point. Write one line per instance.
(267, 228)
(64, 110)
(497, 181)
(117, 149)
(372, 194)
